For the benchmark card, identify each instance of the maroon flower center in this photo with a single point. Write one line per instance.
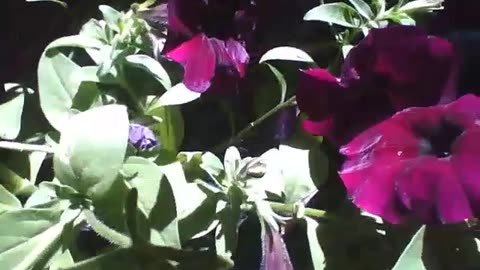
(437, 140)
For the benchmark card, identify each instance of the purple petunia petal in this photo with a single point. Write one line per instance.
(275, 254)
(142, 137)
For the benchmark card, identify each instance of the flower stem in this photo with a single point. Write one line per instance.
(290, 210)
(131, 93)
(221, 147)
(21, 147)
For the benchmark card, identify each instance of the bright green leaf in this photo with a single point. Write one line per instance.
(286, 53)
(177, 95)
(121, 259)
(336, 13)
(92, 148)
(151, 65)
(421, 5)
(111, 16)
(62, 260)
(63, 4)
(363, 8)
(8, 200)
(316, 252)
(157, 200)
(11, 113)
(411, 257)
(35, 159)
(35, 238)
(297, 173)
(170, 130)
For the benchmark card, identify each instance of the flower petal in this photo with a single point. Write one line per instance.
(429, 187)
(319, 93)
(199, 61)
(275, 253)
(466, 161)
(372, 189)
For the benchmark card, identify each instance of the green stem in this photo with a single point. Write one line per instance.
(136, 101)
(221, 147)
(21, 147)
(290, 210)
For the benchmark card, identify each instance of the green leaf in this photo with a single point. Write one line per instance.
(363, 8)
(59, 80)
(212, 164)
(271, 91)
(91, 149)
(63, 4)
(316, 252)
(11, 113)
(411, 257)
(120, 258)
(78, 41)
(335, 13)
(157, 200)
(152, 66)
(170, 130)
(190, 202)
(286, 53)
(62, 260)
(35, 159)
(111, 16)
(29, 237)
(421, 5)
(297, 172)
(13, 181)
(177, 95)
(8, 200)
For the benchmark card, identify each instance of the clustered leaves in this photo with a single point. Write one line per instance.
(383, 125)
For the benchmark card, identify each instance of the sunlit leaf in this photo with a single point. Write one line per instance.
(8, 200)
(63, 4)
(411, 257)
(152, 66)
(316, 252)
(363, 8)
(336, 13)
(11, 113)
(286, 53)
(111, 16)
(178, 94)
(92, 148)
(170, 129)
(36, 237)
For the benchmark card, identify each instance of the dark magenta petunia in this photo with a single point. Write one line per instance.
(142, 137)
(207, 39)
(421, 164)
(389, 70)
(202, 56)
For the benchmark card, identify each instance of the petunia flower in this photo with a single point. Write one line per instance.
(207, 39)
(142, 137)
(390, 69)
(422, 164)
(274, 251)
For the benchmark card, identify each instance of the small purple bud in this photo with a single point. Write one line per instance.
(142, 137)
